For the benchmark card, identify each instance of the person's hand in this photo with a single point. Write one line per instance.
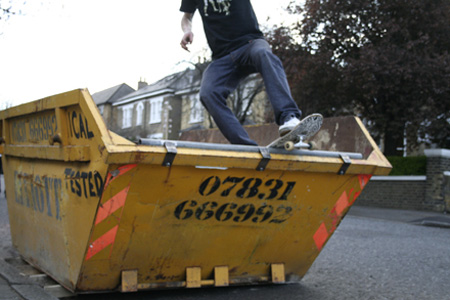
(188, 38)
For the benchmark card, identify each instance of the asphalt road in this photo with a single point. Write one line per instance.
(365, 259)
(375, 257)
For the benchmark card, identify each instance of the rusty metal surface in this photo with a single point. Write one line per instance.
(262, 134)
(341, 134)
(98, 213)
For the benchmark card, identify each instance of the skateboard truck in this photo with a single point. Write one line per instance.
(296, 138)
(299, 144)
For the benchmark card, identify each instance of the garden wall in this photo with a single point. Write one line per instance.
(430, 192)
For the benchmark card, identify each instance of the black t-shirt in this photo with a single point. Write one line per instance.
(228, 24)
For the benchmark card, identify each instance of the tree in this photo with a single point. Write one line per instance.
(7, 10)
(313, 80)
(386, 60)
(6, 105)
(241, 100)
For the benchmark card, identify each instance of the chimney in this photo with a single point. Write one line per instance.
(142, 84)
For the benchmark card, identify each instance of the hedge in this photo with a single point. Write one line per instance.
(414, 165)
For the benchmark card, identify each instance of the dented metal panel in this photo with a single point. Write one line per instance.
(99, 213)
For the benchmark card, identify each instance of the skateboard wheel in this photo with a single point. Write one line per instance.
(289, 146)
(312, 145)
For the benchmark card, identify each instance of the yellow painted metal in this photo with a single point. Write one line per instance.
(99, 213)
(53, 191)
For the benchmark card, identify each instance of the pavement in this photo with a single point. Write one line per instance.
(425, 218)
(15, 283)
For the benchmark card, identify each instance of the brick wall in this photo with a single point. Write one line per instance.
(401, 192)
(430, 192)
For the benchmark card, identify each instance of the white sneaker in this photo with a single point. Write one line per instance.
(288, 126)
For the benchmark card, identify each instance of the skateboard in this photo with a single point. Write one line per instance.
(307, 128)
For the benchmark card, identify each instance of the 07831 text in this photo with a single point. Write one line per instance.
(241, 187)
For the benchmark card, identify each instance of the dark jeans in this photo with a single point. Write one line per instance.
(223, 76)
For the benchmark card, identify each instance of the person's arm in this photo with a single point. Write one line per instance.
(186, 26)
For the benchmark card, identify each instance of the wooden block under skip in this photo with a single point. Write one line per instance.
(193, 277)
(129, 281)
(278, 273)
(221, 276)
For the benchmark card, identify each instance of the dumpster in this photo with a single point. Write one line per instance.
(97, 212)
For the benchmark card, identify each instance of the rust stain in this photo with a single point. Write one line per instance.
(101, 149)
(28, 177)
(168, 175)
(139, 157)
(133, 229)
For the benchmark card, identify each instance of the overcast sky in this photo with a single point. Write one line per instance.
(60, 45)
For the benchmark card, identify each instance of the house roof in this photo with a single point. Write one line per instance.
(185, 81)
(112, 94)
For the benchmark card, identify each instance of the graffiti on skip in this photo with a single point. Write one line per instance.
(39, 193)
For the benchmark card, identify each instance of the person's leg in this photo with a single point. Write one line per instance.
(259, 56)
(219, 80)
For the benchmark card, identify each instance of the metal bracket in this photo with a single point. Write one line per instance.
(171, 148)
(265, 160)
(345, 165)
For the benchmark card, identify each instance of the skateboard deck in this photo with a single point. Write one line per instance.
(307, 128)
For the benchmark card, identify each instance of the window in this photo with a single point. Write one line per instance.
(127, 116)
(140, 114)
(196, 113)
(155, 110)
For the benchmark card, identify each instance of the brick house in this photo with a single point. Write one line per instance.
(106, 98)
